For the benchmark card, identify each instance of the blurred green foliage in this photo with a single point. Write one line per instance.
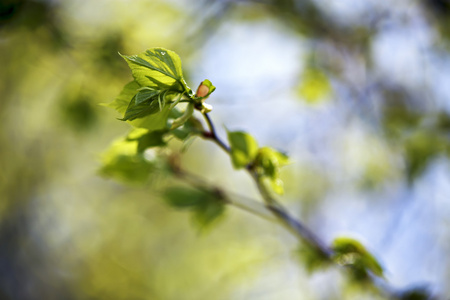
(314, 86)
(66, 233)
(206, 205)
(244, 148)
(125, 162)
(352, 254)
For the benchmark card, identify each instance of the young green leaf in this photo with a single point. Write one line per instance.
(145, 103)
(146, 94)
(268, 163)
(157, 121)
(351, 253)
(209, 211)
(181, 197)
(122, 101)
(121, 161)
(191, 127)
(206, 205)
(144, 115)
(158, 68)
(147, 139)
(244, 148)
(312, 258)
(139, 110)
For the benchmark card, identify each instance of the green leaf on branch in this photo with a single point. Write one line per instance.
(156, 121)
(351, 253)
(122, 162)
(312, 258)
(159, 69)
(244, 148)
(191, 127)
(123, 100)
(209, 211)
(144, 115)
(146, 94)
(206, 205)
(147, 139)
(268, 163)
(181, 197)
(139, 110)
(158, 81)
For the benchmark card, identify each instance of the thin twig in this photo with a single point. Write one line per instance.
(237, 200)
(272, 210)
(212, 135)
(295, 226)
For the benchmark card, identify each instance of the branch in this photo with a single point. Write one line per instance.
(212, 135)
(274, 211)
(271, 204)
(239, 201)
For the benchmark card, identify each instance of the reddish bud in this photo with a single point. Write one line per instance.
(202, 90)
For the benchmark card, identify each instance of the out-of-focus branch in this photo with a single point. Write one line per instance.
(234, 199)
(272, 210)
(296, 227)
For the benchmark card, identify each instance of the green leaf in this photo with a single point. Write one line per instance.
(122, 162)
(158, 80)
(123, 100)
(312, 258)
(244, 148)
(126, 100)
(268, 163)
(157, 121)
(135, 110)
(191, 127)
(209, 211)
(206, 205)
(158, 68)
(147, 139)
(353, 254)
(146, 94)
(181, 197)
(277, 185)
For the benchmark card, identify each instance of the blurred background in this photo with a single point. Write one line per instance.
(355, 92)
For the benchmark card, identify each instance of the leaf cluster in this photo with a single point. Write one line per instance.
(150, 100)
(245, 153)
(151, 103)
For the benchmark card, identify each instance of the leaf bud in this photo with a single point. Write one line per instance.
(202, 90)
